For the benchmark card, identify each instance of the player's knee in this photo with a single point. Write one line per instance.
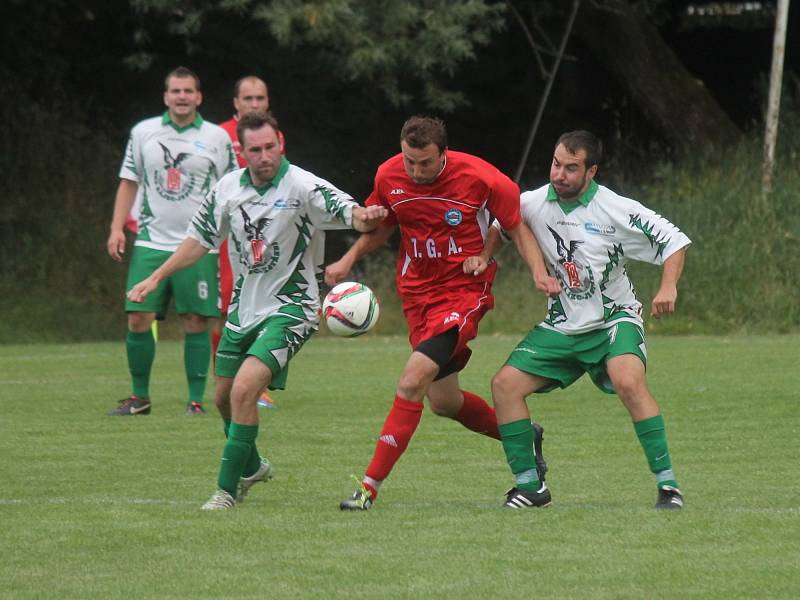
(503, 386)
(628, 385)
(410, 386)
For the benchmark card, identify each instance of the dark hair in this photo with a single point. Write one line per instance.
(238, 85)
(418, 132)
(181, 73)
(583, 140)
(255, 120)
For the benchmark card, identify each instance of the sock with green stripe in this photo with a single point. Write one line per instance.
(517, 438)
(235, 456)
(653, 438)
(196, 357)
(141, 349)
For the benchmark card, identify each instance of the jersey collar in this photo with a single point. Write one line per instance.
(246, 180)
(583, 199)
(167, 120)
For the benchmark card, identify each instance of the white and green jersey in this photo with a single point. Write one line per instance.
(586, 245)
(277, 240)
(175, 168)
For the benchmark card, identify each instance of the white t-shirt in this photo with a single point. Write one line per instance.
(277, 240)
(587, 249)
(174, 167)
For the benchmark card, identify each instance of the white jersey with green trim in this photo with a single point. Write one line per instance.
(277, 240)
(587, 249)
(175, 168)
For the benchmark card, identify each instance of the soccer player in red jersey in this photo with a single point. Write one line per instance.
(443, 202)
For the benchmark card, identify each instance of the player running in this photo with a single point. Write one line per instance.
(441, 200)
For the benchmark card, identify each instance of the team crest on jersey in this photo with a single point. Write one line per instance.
(263, 257)
(453, 217)
(171, 182)
(576, 279)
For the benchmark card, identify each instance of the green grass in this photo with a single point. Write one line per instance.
(95, 507)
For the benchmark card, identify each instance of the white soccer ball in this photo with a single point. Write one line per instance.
(350, 309)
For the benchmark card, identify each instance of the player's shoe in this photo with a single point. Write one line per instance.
(517, 498)
(131, 406)
(221, 500)
(264, 473)
(265, 401)
(195, 408)
(669, 498)
(541, 465)
(360, 500)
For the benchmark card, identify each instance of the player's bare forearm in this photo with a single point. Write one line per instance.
(367, 218)
(667, 295)
(123, 201)
(188, 253)
(529, 249)
(475, 265)
(367, 242)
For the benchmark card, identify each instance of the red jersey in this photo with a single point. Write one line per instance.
(230, 127)
(444, 222)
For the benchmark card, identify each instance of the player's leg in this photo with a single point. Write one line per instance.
(140, 343)
(196, 297)
(539, 363)
(398, 429)
(626, 368)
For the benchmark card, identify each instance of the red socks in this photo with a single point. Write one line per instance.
(478, 416)
(397, 430)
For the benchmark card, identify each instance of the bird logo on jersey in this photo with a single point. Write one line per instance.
(172, 183)
(255, 235)
(576, 278)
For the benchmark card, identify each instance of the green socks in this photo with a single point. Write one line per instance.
(235, 455)
(141, 349)
(517, 438)
(253, 460)
(653, 438)
(196, 357)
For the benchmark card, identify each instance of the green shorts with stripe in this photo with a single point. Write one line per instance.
(564, 358)
(195, 289)
(275, 341)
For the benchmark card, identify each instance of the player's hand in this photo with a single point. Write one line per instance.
(337, 272)
(370, 216)
(116, 244)
(547, 284)
(664, 302)
(140, 291)
(474, 265)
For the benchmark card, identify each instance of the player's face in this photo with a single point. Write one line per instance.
(262, 150)
(252, 97)
(568, 173)
(182, 99)
(422, 165)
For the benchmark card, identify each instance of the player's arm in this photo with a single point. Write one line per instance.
(367, 218)
(123, 201)
(664, 300)
(475, 265)
(530, 251)
(188, 253)
(366, 243)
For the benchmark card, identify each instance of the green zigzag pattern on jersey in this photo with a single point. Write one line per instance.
(647, 229)
(205, 222)
(233, 316)
(304, 237)
(333, 204)
(130, 164)
(610, 308)
(613, 261)
(145, 213)
(296, 286)
(555, 313)
(208, 181)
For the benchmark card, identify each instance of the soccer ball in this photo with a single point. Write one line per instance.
(350, 309)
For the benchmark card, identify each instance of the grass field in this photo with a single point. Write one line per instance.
(95, 507)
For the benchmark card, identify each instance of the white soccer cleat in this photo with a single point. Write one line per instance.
(220, 501)
(264, 473)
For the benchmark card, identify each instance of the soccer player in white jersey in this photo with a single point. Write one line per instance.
(276, 214)
(587, 234)
(171, 161)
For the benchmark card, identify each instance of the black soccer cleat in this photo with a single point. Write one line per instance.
(131, 406)
(538, 436)
(517, 498)
(669, 498)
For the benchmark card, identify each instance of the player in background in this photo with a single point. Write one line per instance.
(587, 234)
(275, 214)
(250, 94)
(172, 160)
(441, 200)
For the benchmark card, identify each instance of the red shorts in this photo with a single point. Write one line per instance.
(440, 311)
(225, 279)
